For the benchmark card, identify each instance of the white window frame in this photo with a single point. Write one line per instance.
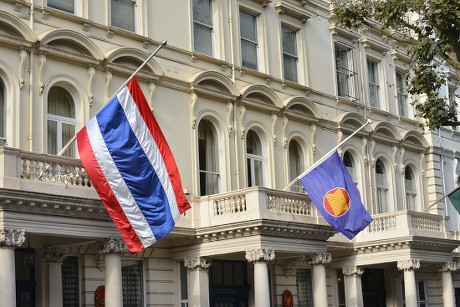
(211, 162)
(296, 167)
(346, 76)
(373, 82)
(401, 93)
(182, 269)
(252, 160)
(410, 187)
(252, 41)
(287, 55)
(208, 26)
(135, 16)
(2, 113)
(382, 188)
(63, 8)
(143, 279)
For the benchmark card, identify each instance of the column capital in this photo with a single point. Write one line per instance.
(260, 254)
(409, 264)
(111, 246)
(54, 254)
(12, 237)
(195, 263)
(448, 267)
(321, 258)
(352, 271)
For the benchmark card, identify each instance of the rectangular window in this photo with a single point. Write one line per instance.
(304, 287)
(373, 83)
(183, 285)
(2, 114)
(422, 298)
(401, 93)
(132, 283)
(290, 58)
(249, 43)
(62, 5)
(123, 14)
(70, 282)
(346, 77)
(202, 26)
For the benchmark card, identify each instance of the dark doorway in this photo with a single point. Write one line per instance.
(373, 284)
(228, 285)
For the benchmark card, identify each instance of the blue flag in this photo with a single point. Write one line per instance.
(336, 196)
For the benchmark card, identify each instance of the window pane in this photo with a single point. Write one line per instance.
(70, 282)
(295, 164)
(202, 12)
(304, 287)
(202, 39)
(249, 54)
(258, 173)
(2, 110)
(372, 74)
(289, 54)
(248, 26)
(131, 271)
(253, 143)
(183, 281)
(202, 26)
(63, 5)
(60, 102)
(52, 137)
(248, 40)
(68, 132)
(401, 94)
(122, 14)
(209, 172)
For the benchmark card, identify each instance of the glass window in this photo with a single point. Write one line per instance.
(202, 26)
(411, 190)
(208, 158)
(304, 287)
(63, 5)
(401, 93)
(70, 282)
(296, 164)
(61, 120)
(373, 82)
(422, 299)
(2, 113)
(123, 14)
(255, 159)
(249, 44)
(344, 71)
(382, 187)
(132, 283)
(183, 285)
(350, 164)
(289, 54)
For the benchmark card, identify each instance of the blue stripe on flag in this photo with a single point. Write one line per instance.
(135, 168)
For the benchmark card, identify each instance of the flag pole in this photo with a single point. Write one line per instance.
(440, 200)
(162, 44)
(326, 155)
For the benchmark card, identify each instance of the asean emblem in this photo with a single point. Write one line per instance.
(337, 202)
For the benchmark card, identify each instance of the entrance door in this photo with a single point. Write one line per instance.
(228, 286)
(25, 277)
(373, 285)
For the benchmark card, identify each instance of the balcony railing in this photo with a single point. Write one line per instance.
(63, 176)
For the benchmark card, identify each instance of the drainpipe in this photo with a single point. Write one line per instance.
(31, 80)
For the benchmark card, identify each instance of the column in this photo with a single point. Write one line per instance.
(353, 288)
(410, 287)
(261, 257)
(448, 297)
(112, 249)
(54, 256)
(9, 239)
(318, 263)
(198, 281)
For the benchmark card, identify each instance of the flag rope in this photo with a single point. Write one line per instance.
(326, 155)
(162, 44)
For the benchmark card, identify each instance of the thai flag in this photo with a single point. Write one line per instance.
(132, 168)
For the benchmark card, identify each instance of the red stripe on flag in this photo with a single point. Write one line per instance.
(106, 194)
(163, 147)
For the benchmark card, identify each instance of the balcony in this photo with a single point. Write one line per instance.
(60, 186)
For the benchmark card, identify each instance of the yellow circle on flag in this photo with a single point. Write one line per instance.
(337, 202)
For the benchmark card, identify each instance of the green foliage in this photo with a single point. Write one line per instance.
(433, 38)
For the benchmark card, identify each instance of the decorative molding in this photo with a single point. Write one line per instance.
(229, 116)
(193, 101)
(45, 15)
(352, 271)
(410, 264)
(109, 34)
(274, 120)
(100, 262)
(448, 267)
(12, 237)
(91, 73)
(85, 27)
(41, 68)
(312, 137)
(108, 79)
(152, 88)
(321, 258)
(197, 263)
(54, 254)
(260, 254)
(22, 58)
(112, 245)
(285, 139)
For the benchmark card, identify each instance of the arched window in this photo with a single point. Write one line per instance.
(255, 160)
(350, 164)
(208, 158)
(382, 187)
(296, 164)
(411, 190)
(2, 114)
(61, 120)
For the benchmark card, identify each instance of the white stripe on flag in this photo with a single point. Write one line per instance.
(149, 146)
(118, 185)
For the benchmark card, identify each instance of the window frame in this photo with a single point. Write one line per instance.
(3, 117)
(78, 290)
(251, 159)
(347, 74)
(401, 93)
(142, 279)
(308, 302)
(253, 41)
(411, 193)
(62, 8)
(299, 165)
(135, 17)
(215, 160)
(196, 23)
(381, 205)
(373, 82)
(286, 55)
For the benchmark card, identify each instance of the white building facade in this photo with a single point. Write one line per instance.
(248, 93)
